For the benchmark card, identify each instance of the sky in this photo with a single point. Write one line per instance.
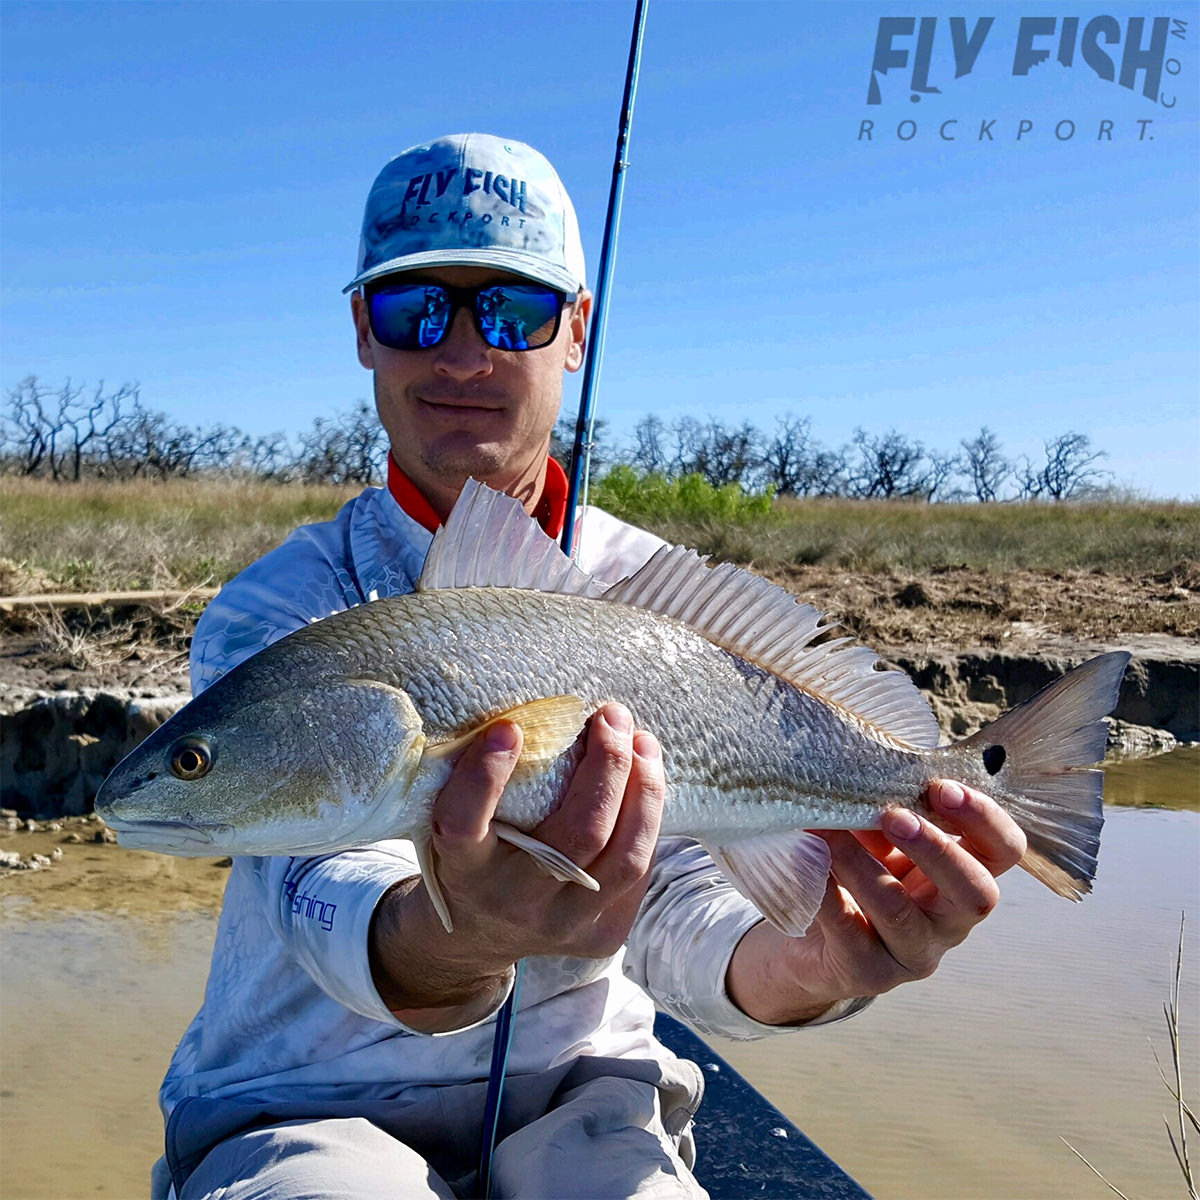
(181, 189)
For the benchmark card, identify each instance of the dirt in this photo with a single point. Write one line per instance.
(140, 647)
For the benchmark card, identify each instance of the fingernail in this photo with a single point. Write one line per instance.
(618, 718)
(500, 738)
(951, 794)
(645, 745)
(901, 824)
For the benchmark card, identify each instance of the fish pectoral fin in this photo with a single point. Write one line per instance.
(782, 874)
(556, 864)
(549, 724)
(427, 860)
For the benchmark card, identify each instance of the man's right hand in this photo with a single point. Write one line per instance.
(503, 905)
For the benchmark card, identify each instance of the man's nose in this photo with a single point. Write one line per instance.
(462, 353)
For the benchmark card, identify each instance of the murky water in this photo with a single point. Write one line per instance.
(1041, 1027)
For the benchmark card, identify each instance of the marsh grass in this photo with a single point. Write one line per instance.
(875, 535)
(142, 534)
(181, 534)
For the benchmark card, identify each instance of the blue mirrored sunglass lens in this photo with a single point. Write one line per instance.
(517, 317)
(410, 318)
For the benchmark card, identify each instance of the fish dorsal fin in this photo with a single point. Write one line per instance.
(760, 622)
(489, 540)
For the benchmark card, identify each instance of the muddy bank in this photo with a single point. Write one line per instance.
(56, 747)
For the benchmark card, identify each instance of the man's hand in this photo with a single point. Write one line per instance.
(898, 899)
(504, 906)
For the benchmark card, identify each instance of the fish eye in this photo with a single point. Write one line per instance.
(191, 759)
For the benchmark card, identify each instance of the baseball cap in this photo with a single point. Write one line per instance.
(471, 199)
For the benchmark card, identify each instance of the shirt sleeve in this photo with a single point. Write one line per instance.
(685, 934)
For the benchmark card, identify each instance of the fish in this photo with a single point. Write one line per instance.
(342, 733)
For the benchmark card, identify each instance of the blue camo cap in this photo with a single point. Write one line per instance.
(471, 199)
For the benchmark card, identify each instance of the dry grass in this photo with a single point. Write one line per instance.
(143, 534)
(98, 536)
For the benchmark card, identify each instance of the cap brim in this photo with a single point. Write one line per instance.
(516, 261)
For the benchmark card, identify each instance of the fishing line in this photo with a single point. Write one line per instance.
(577, 482)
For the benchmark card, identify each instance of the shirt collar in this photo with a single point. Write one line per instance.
(550, 512)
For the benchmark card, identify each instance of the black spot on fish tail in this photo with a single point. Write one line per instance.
(993, 758)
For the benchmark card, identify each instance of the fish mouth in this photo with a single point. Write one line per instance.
(180, 837)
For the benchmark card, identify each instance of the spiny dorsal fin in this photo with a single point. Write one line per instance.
(760, 622)
(490, 541)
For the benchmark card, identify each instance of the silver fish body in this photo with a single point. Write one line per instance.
(343, 732)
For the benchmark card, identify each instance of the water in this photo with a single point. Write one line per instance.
(1040, 1027)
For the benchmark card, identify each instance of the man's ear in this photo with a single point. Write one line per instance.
(362, 329)
(581, 310)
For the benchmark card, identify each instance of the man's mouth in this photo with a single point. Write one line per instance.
(464, 405)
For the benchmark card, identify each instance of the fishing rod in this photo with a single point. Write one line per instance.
(581, 451)
(577, 483)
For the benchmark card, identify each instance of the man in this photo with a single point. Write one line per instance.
(345, 1035)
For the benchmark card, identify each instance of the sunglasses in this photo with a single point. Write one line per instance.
(415, 316)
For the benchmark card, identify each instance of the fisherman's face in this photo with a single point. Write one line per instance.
(464, 409)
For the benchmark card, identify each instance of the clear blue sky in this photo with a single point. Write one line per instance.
(183, 185)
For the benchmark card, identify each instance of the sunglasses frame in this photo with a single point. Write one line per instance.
(465, 297)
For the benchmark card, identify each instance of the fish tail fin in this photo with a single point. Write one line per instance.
(1043, 752)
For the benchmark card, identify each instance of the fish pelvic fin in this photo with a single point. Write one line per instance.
(783, 874)
(549, 724)
(1043, 753)
(427, 861)
(556, 864)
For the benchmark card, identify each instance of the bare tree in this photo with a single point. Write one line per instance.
(891, 465)
(649, 452)
(25, 431)
(713, 450)
(1069, 469)
(351, 448)
(984, 465)
(59, 432)
(795, 464)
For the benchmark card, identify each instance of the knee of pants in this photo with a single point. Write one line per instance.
(333, 1159)
(604, 1140)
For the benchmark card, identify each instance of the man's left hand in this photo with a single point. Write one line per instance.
(897, 900)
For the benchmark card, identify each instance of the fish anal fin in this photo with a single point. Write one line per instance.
(783, 874)
(556, 864)
(427, 860)
(550, 724)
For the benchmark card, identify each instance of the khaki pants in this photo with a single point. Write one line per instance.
(595, 1129)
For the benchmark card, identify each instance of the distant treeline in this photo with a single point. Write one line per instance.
(73, 433)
